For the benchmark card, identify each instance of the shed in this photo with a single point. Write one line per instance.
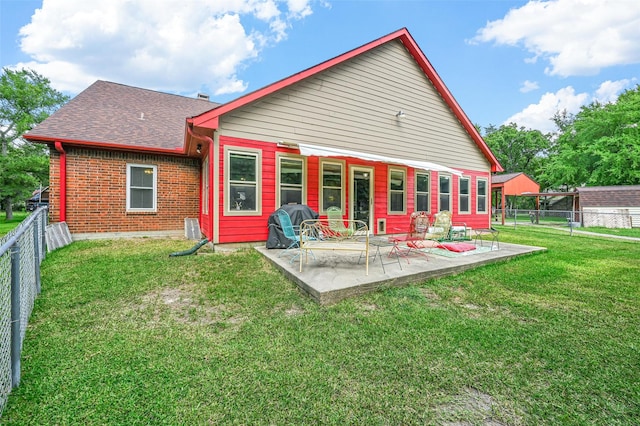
(512, 184)
(610, 206)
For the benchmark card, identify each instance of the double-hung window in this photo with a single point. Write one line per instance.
(242, 181)
(464, 195)
(444, 193)
(422, 192)
(142, 188)
(331, 176)
(397, 190)
(291, 179)
(482, 195)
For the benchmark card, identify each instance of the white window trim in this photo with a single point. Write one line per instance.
(343, 167)
(404, 191)
(283, 156)
(486, 195)
(228, 150)
(460, 179)
(152, 209)
(450, 190)
(415, 179)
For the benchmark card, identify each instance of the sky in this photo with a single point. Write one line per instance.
(504, 61)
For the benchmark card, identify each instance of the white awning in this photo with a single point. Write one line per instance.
(318, 151)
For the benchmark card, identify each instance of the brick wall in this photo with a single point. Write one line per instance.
(96, 191)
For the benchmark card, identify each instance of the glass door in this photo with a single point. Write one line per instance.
(361, 195)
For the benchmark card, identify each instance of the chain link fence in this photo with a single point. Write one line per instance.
(607, 218)
(21, 252)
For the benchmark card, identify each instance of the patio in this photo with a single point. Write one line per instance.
(332, 276)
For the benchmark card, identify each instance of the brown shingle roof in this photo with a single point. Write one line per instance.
(114, 114)
(610, 196)
(504, 177)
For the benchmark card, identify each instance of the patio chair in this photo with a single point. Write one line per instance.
(414, 238)
(336, 223)
(439, 230)
(289, 231)
(292, 233)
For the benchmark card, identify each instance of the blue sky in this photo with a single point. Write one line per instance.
(503, 60)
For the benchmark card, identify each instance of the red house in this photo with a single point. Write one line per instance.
(374, 131)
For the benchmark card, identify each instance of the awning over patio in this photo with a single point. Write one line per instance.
(321, 151)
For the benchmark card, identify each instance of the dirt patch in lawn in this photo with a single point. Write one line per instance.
(184, 304)
(473, 407)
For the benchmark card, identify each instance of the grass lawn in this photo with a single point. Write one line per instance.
(124, 335)
(8, 225)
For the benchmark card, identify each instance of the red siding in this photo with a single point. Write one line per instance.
(254, 228)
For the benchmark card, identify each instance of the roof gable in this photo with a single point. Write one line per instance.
(211, 119)
(112, 115)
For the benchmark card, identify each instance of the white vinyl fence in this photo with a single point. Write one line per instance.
(21, 252)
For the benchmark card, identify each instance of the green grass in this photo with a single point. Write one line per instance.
(124, 335)
(8, 225)
(625, 232)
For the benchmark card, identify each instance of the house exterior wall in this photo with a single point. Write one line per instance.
(96, 191)
(353, 106)
(250, 227)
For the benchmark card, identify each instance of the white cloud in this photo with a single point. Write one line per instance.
(529, 86)
(576, 37)
(171, 45)
(539, 116)
(609, 90)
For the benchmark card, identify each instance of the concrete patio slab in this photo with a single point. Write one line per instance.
(333, 276)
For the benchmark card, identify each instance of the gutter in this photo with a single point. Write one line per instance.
(63, 181)
(208, 140)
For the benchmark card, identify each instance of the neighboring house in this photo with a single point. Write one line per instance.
(610, 206)
(374, 131)
(39, 197)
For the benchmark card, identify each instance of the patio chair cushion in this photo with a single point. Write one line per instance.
(457, 247)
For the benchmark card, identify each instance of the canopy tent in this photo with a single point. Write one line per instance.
(312, 150)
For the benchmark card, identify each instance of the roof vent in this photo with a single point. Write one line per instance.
(203, 96)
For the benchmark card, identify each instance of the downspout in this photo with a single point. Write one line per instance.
(63, 181)
(210, 142)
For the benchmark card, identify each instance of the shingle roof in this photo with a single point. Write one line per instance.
(504, 177)
(610, 196)
(109, 113)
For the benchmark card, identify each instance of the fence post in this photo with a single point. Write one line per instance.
(16, 338)
(43, 237)
(36, 254)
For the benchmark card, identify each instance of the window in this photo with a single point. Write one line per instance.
(444, 193)
(141, 187)
(397, 190)
(331, 188)
(205, 186)
(422, 192)
(291, 178)
(242, 173)
(482, 196)
(464, 195)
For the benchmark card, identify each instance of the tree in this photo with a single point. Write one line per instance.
(518, 150)
(598, 146)
(26, 99)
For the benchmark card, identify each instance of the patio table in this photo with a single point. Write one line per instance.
(480, 232)
(379, 242)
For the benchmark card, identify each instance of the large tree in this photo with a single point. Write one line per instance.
(518, 149)
(598, 146)
(26, 99)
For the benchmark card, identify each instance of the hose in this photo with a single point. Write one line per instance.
(192, 250)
